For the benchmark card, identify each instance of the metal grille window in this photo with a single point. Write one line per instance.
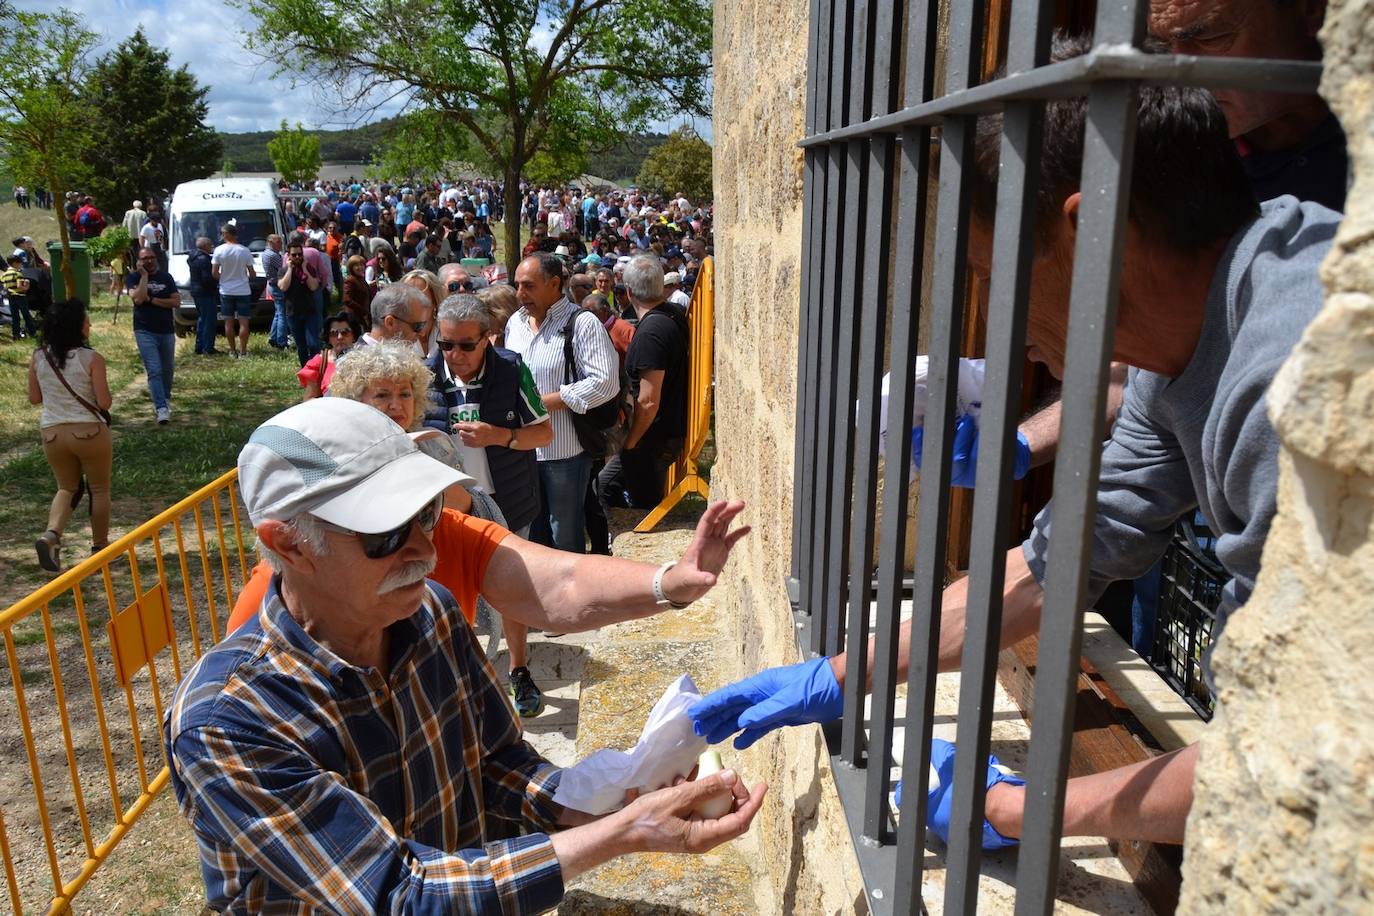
(873, 115)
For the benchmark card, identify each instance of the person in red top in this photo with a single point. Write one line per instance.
(341, 334)
(333, 248)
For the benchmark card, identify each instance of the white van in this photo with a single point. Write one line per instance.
(201, 208)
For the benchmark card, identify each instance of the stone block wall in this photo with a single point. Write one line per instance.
(1283, 815)
(807, 864)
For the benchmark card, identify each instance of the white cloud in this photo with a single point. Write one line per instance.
(245, 93)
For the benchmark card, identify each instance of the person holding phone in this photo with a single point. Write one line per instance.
(155, 295)
(298, 283)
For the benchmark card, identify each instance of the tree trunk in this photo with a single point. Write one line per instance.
(515, 211)
(59, 195)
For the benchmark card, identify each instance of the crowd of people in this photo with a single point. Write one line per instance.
(463, 434)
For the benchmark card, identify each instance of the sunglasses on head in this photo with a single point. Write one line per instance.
(378, 546)
(467, 346)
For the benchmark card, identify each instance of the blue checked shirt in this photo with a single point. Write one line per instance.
(316, 786)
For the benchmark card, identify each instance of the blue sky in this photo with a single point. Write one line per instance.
(208, 38)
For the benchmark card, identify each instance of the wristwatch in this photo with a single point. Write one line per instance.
(514, 439)
(660, 597)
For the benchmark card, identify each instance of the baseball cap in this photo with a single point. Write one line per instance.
(341, 461)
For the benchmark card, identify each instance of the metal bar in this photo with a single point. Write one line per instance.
(1109, 148)
(1013, 247)
(15, 903)
(223, 555)
(873, 331)
(186, 587)
(1073, 78)
(849, 310)
(829, 304)
(809, 370)
(135, 730)
(99, 701)
(238, 533)
(820, 194)
(804, 311)
(947, 304)
(207, 581)
(167, 606)
(60, 697)
(26, 726)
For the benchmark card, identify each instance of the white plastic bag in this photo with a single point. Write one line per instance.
(968, 399)
(667, 748)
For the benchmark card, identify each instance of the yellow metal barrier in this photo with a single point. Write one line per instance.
(684, 476)
(51, 646)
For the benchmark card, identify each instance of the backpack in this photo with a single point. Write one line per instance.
(601, 431)
(92, 222)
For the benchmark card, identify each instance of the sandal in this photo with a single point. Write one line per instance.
(49, 547)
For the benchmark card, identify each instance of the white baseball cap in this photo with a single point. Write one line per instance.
(341, 461)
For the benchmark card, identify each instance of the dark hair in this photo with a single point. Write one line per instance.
(550, 265)
(348, 319)
(61, 331)
(1188, 187)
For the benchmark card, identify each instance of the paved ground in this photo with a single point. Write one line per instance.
(600, 687)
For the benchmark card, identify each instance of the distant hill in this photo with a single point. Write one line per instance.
(248, 151)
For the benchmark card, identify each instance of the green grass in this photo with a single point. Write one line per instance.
(217, 402)
(41, 225)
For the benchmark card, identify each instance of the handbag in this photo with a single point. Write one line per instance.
(100, 412)
(601, 431)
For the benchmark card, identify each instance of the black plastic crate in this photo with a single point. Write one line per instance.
(1189, 592)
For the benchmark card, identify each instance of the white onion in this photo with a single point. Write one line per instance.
(716, 806)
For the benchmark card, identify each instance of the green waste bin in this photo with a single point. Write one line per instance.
(81, 271)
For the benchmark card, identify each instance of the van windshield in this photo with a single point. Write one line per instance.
(254, 227)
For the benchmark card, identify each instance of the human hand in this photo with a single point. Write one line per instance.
(940, 799)
(965, 453)
(792, 695)
(697, 571)
(476, 434)
(663, 821)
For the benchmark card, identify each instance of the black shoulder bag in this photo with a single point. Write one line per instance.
(601, 431)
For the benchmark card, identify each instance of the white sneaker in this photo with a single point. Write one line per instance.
(164, 416)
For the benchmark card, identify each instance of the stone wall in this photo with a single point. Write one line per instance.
(1283, 819)
(807, 864)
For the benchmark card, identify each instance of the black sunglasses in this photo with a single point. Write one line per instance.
(467, 346)
(379, 546)
(454, 286)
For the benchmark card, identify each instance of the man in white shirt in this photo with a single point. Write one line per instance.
(536, 332)
(672, 289)
(232, 266)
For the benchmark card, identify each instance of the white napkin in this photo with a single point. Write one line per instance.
(667, 748)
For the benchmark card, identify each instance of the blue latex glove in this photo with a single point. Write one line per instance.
(794, 695)
(965, 453)
(941, 794)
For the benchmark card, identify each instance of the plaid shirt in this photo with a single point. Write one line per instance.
(314, 785)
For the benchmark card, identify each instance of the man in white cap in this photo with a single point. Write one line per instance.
(672, 290)
(346, 748)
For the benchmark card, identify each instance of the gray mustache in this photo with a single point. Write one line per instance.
(406, 576)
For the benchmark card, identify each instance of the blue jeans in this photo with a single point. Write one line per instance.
(562, 519)
(158, 352)
(207, 324)
(314, 325)
(281, 325)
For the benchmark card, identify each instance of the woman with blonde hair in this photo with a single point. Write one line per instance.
(427, 282)
(501, 302)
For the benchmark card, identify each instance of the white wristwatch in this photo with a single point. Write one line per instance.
(660, 598)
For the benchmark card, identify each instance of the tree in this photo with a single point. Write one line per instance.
(681, 164)
(519, 76)
(295, 153)
(44, 119)
(421, 143)
(150, 133)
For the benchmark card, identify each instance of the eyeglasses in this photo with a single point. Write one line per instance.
(379, 546)
(454, 285)
(467, 346)
(340, 332)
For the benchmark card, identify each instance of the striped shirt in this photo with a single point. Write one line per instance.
(317, 786)
(542, 351)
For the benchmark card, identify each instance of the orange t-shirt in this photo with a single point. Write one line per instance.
(464, 545)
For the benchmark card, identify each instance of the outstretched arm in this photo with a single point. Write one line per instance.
(567, 592)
